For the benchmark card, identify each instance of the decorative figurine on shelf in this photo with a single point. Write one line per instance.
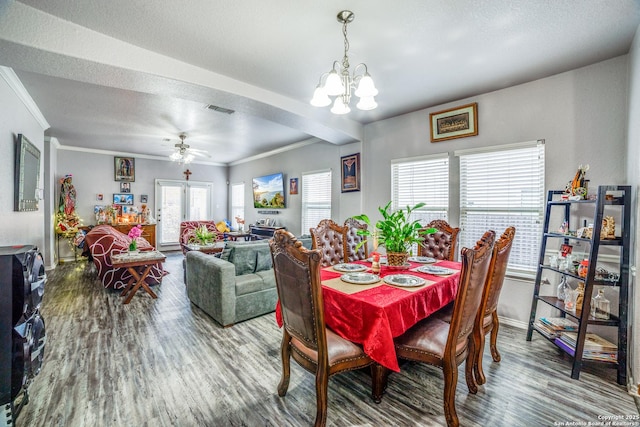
(577, 188)
(579, 295)
(608, 228)
(375, 262)
(240, 222)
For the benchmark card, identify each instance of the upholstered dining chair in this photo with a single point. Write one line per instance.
(447, 345)
(329, 238)
(352, 239)
(441, 244)
(488, 314)
(305, 337)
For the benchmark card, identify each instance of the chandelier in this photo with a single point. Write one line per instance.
(182, 154)
(339, 83)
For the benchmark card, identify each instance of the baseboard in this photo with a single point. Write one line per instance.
(512, 322)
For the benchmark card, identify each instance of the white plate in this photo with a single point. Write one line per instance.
(435, 270)
(407, 280)
(360, 278)
(383, 259)
(346, 268)
(422, 259)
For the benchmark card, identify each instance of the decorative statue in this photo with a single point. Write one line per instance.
(67, 220)
(608, 228)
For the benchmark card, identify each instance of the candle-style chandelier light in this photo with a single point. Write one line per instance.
(339, 83)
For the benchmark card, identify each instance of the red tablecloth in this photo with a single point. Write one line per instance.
(373, 317)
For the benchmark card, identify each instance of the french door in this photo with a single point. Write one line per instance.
(179, 201)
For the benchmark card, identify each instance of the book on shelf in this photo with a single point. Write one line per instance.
(545, 330)
(602, 356)
(592, 342)
(559, 323)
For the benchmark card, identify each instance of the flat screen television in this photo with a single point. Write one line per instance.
(268, 191)
(27, 175)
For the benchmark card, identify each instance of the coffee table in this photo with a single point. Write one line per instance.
(139, 265)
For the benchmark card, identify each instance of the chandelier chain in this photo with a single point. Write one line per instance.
(345, 58)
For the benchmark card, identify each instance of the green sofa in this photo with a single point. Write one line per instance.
(237, 286)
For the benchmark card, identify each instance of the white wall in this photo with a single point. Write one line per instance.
(293, 163)
(93, 174)
(15, 118)
(581, 114)
(633, 178)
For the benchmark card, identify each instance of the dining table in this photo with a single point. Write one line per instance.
(373, 314)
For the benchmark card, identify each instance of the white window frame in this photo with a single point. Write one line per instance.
(237, 203)
(316, 198)
(422, 179)
(502, 186)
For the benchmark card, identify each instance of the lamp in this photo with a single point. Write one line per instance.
(339, 83)
(181, 155)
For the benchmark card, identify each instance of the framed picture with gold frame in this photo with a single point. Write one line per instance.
(458, 122)
(124, 168)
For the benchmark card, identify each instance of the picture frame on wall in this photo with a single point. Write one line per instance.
(293, 186)
(143, 198)
(350, 173)
(458, 122)
(122, 199)
(125, 187)
(124, 169)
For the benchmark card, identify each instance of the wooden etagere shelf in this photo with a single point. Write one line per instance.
(608, 197)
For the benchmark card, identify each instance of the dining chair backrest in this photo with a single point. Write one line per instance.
(352, 239)
(475, 266)
(441, 244)
(329, 238)
(297, 274)
(498, 270)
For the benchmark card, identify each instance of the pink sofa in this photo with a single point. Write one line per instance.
(103, 240)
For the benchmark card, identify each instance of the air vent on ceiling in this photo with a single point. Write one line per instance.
(220, 109)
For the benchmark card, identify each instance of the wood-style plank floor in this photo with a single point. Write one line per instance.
(165, 363)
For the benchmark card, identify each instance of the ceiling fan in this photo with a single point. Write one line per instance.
(184, 154)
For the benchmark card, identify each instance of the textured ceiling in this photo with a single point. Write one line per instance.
(124, 75)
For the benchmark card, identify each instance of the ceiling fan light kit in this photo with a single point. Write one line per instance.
(339, 83)
(182, 155)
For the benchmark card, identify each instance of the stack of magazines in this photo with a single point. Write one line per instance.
(595, 347)
(553, 327)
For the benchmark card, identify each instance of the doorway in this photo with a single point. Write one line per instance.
(179, 201)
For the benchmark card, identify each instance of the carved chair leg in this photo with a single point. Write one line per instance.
(478, 373)
(322, 384)
(450, 370)
(469, 365)
(494, 337)
(285, 352)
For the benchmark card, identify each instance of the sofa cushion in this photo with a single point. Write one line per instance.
(248, 257)
(250, 283)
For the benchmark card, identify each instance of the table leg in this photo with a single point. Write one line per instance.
(379, 377)
(139, 282)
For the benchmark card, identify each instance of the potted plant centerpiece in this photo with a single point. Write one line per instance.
(396, 232)
(203, 236)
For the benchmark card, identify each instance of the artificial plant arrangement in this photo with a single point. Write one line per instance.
(203, 235)
(395, 231)
(134, 233)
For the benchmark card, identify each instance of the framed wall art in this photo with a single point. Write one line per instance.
(293, 186)
(458, 122)
(350, 173)
(124, 168)
(123, 199)
(125, 187)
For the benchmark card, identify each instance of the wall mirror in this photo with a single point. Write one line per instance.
(27, 175)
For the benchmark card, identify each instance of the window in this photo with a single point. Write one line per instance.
(237, 204)
(419, 180)
(503, 186)
(316, 199)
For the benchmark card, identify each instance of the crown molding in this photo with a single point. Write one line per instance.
(290, 147)
(21, 92)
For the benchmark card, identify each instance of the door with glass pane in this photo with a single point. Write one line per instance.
(179, 201)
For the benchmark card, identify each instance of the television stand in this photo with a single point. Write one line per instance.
(263, 232)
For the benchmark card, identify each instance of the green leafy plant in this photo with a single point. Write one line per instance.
(203, 235)
(395, 231)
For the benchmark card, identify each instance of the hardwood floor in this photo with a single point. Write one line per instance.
(165, 363)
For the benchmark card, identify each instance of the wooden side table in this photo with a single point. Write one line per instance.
(139, 265)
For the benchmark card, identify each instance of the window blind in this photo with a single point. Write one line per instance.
(500, 188)
(237, 203)
(316, 199)
(422, 180)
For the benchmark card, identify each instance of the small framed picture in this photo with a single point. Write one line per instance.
(293, 186)
(99, 197)
(125, 187)
(350, 173)
(123, 199)
(124, 168)
(456, 122)
(143, 198)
